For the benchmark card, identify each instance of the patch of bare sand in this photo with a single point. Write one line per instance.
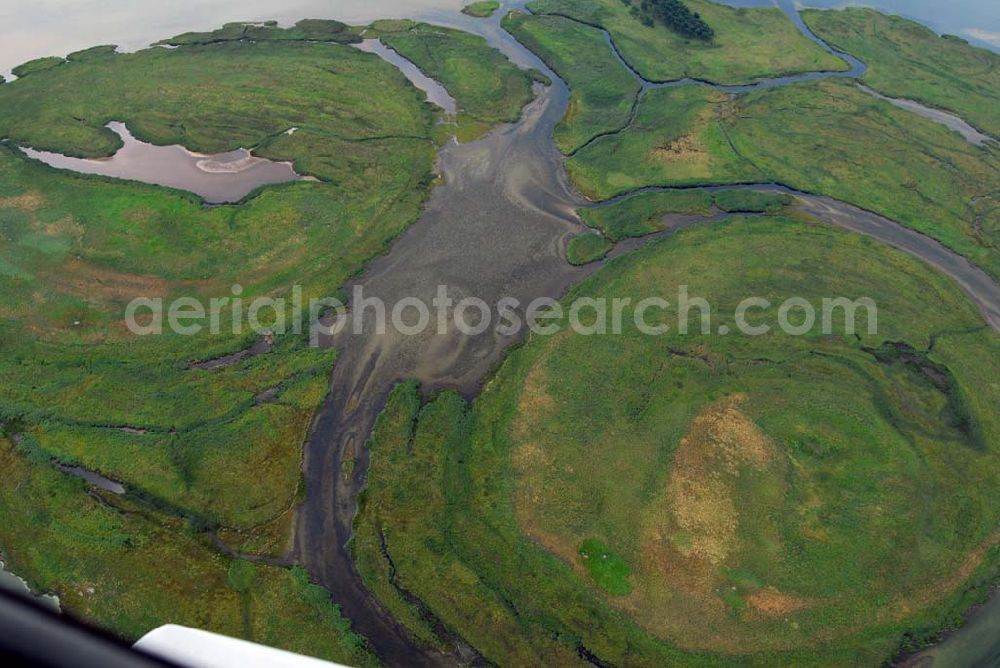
(532, 463)
(769, 601)
(692, 529)
(686, 149)
(535, 403)
(67, 226)
(30, 201)
(691, 533)
(82, 279)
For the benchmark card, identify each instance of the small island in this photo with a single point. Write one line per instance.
(481, 10)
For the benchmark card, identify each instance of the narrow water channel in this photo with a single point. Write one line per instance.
(971, 134)
(496, 227)
(93, 478)
(436, 93)
(975, 645)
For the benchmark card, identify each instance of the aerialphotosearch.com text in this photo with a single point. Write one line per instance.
(686, 313)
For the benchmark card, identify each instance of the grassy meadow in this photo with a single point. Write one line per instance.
(312, 30)
(685, 499)
(482, 9)
(908, 60)
(644, 213)
(749, 44)
(587, 247)
(213, 98)
(824, 137)
(704, 500)
(122, 566)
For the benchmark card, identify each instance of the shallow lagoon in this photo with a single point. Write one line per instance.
(225, 177)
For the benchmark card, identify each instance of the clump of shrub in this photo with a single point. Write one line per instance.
(675, 15)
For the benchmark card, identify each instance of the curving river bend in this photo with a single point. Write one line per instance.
(497, 227)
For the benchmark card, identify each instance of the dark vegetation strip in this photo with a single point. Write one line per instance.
(957, 413)
(675, 15)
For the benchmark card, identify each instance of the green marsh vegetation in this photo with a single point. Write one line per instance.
(319, 30)
(482, 9)
(125, 567)
(908, 60)
(36, 65)
(644, 213)
(670, 500)
(102, 51)
(216, 97)
(824, 137)
(196, 448)
(587, 247)
(566, 512)
(749, 44)
(603, 93)
(78, 248)
(413, 512)
(609, 571)
(194, 443)
(489, 89)
(851, 499)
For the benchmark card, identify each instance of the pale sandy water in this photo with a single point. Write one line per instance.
(971, 134)
(436, 93)
(57, 27)
(217, 179)
(93, 478)
(14, 583)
